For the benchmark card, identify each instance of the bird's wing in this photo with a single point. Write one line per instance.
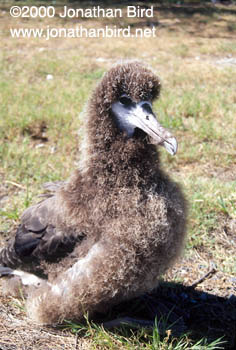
(39, 237)
(50, 188)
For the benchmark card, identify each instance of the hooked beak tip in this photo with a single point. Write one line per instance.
(171, 145)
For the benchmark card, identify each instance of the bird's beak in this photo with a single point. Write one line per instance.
(143, 117)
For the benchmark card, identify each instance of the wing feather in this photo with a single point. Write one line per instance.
(39, 237)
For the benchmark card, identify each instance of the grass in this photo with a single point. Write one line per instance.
(38, 142)
(149, 339)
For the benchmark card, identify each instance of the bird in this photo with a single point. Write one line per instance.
(111, 230)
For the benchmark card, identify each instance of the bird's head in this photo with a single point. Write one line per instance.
(126, 93)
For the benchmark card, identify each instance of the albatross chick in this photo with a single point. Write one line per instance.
(109, 232)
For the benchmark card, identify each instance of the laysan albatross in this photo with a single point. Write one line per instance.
(111, 230)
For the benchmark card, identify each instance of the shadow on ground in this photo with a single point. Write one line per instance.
(183, 310)
(197, 19)
(194, 18)
(200, 9)
(187, 9)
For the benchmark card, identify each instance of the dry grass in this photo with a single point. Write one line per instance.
(17, 332)
(194, 53)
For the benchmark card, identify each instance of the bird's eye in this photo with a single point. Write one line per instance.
(147, 108)
(124, 100)
(147, 117)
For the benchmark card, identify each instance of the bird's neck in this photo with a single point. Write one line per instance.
(110, 161)
(116, 160)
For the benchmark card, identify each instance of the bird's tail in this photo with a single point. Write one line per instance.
(5, 271)
(9, 257)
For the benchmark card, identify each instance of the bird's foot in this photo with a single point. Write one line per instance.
(128, 321)
(176, 328)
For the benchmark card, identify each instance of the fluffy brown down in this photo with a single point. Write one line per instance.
(131, 214)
